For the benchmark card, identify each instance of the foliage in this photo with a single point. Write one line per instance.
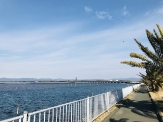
(152, 62)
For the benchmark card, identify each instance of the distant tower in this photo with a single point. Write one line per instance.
(76, 79)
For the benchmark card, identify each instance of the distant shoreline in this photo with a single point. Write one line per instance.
(27, 82)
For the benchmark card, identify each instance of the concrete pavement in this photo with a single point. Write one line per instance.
(138, 108)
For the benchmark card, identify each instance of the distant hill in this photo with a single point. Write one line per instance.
(24, 79)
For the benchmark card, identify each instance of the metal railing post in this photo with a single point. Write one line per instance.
(88, 109)
(107, 100)
(25, 116)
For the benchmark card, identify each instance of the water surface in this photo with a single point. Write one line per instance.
(36, 96)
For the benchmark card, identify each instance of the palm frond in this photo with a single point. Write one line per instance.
(134, 64)
(150, 54)
(154, 43)
(142, 57)
(160, 30)
(152, 62)
(157, 36)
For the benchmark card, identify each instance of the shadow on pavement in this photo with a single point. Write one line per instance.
(136, 108)
(142, 108)
(121, 120)
(142, 91)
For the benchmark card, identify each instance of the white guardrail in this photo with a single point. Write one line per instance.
(84, 110)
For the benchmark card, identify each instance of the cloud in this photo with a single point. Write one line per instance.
(125, 12)
(67, 52)
(147, 13)
(159, 10)
(124, 8)
(19, 40)
(88, 9)
(71, 52)
(103, 15)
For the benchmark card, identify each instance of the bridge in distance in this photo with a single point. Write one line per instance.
(74, 81)
(107, 81)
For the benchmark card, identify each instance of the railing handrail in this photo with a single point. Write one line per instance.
(43, 110)
(12, 119)
(77, 102)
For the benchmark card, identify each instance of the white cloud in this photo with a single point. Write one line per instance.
(124, 8)
(147, 13)
(69, 58)
(3, 54)
(103, 15)
(87, 9)
(125, 12)
(24, 40)
(159, 10)
(62, 52)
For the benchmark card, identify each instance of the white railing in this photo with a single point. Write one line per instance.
(84, 110)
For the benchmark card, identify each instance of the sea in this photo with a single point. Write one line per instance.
(35, 96)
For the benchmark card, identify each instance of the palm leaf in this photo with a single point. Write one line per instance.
(160, 30)
(135, 55)
(150, 54)
(134, 64)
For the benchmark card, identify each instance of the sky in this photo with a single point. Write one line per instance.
(86, 39)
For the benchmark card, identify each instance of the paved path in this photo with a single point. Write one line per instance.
(138, 108)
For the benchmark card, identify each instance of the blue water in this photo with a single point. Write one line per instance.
(33, 97)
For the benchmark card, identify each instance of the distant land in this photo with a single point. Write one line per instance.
(60, 79)
(25, 79)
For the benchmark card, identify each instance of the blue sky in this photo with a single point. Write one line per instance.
(68, 39)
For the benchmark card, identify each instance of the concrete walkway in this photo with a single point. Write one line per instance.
(138, 108)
